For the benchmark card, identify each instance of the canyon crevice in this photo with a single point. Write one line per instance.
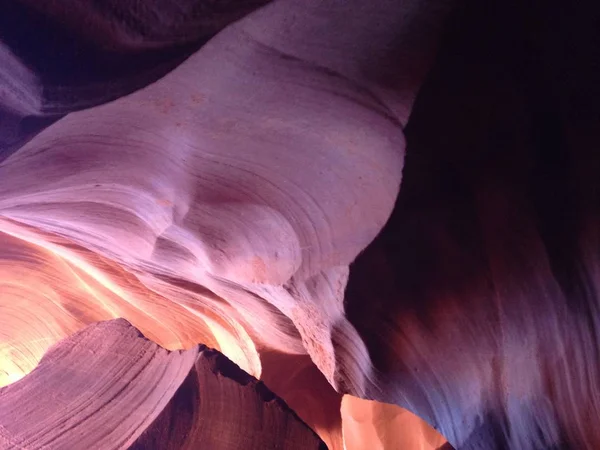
(360, 225)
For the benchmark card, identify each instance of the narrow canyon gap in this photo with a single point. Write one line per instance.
(397, 201)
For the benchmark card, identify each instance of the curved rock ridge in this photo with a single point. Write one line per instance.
(194, 174)
(251, 199)
(483, 286)
(51, 289)
(59, 57)
(57, 294)
(240, 186)
(108, 387)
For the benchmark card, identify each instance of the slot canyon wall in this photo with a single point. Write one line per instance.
(299, 224)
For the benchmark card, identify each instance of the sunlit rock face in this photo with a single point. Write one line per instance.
(256, 198)
(183, 213)
(371, 424)
(50, 291)
(198, 180)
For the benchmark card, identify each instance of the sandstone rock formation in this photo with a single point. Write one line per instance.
(59, 57)
(109, 387)
(255, 197)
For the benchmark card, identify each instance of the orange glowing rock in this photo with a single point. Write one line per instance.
(251, 192)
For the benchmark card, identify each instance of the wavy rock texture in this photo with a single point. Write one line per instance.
(256, 198)
(483, 287)
(224, 249)
(50, 293)
(109, 387)
(59, 57)
(168, 170)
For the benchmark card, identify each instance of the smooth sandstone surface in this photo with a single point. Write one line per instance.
(165, 240)
(336, 195)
